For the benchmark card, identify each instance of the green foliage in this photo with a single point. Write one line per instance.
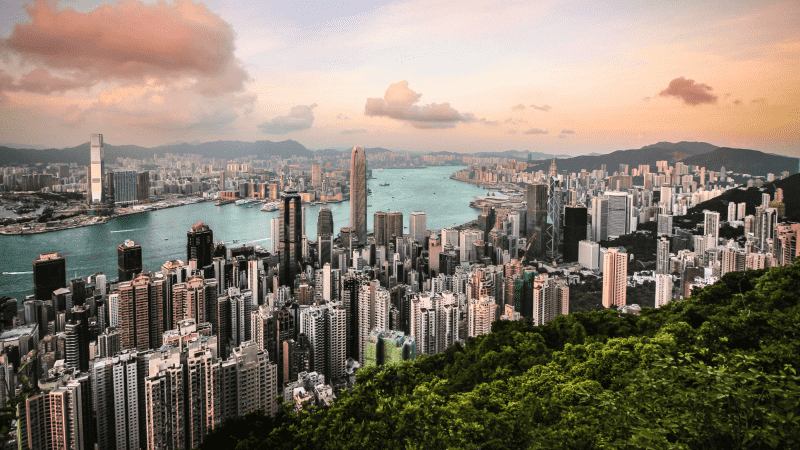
(716, 370)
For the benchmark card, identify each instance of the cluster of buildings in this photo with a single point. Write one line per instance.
(155, 359)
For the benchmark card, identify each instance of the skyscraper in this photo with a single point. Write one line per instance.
(575, 219)
(599, 219)
(536, 228)
(553, 212)
(379, 227)
(619, 213)
(664, 286)
(662, 256)
(394, 225)
(418, 222)
(126, 187)
(274, 233)
(96, 169)
(358, 193)
(49, 274)
(200, 244)
(290, 236)
(615, 277)
(316, 175)
(711, 228)
(129, 260)
(325, 221)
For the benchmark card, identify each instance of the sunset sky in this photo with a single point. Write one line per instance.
(549, 76)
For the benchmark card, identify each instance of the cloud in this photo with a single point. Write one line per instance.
(690, 92)
(535, 131)
(511, 121)
(567, 131)
(400, 103)
(562, 136)
(519, 107)
(126, 42)
(358, 131)
(491, 123)
(737, 102)
(300, 117)
(544, 108)
(342, 117)
(759, 100)
(511, 132)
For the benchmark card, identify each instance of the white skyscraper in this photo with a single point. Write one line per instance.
(418, 222)
(589, 254)
(96, 169)
(620, 205)
(711, 227)
(731, 211)
(466, 240)
(599, 219)
(274, 233)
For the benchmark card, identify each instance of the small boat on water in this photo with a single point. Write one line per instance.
(383, 184)
(235, 241)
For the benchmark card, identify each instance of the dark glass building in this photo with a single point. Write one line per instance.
(575, 220)
(49, 274)
(200, 244)
(129, 260)
(290, 236)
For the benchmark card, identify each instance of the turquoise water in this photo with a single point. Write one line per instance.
(162, 234)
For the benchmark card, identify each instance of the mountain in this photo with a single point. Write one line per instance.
(633, 158)
(692, 148)
(752, 197)
(740, 160)
(216, 149)
(715, 370)
(519, 155)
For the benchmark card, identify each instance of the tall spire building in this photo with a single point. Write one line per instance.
(96, 169)
(290, 236)
(553, 212)
(358, 193)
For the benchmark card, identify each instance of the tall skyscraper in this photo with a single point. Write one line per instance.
(380, 228)
(274, 233)
(711, 228)
(664, 287)
(599, 219)
(575, 220)
(126, 187)
(418, 222)
(620, 205)
(129, 260)
(536, 228)
(394, 225)
(615, 277)
(662, 256)
(553, 212)
(49, 274)
(316, 175)
(358, 193)
(143, 186)
(290, 236)
(200, 244)
(96, 169)
(325, 221)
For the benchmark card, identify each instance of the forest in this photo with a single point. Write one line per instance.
(716, 370)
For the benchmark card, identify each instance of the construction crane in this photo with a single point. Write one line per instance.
(530, 241)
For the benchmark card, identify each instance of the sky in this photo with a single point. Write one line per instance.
(567, 77)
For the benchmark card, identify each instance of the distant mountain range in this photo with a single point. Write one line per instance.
(697, 153)
(752, 197)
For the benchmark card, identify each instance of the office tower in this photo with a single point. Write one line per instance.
(620, 205)
(418, 222)
(274, 233)
(129, 260)
(49, 274)
(77, 340)
(662, 256)
(96, 169)
(575, 219)
(380, 228)
(143, 187)
(615, 277)
(164, 403)
(599, 219)
(325, 221)
(553, 237)
(664, 224)
(78, 288)
(290, 237)
(316, 175)
(723, 176)
(589, 255)
(467, 240)
(480, 315)
(200, 244)
(125, 187)
(664, 287)
(394, 225)
(536, 218)
(711, 228)
(358, 193)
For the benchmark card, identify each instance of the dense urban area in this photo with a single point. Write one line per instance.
(233, 339)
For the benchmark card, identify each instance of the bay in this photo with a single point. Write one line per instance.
(162, 234)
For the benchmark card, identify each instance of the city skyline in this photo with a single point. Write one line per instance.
(570, 79)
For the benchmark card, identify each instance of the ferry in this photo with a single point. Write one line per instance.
(272, 206)
(243, 201)
(383, 184)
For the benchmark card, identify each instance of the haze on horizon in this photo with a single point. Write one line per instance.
(547, 76)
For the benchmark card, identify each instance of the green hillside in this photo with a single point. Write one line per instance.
(714, 371)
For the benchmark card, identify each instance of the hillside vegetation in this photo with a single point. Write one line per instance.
(714, 371)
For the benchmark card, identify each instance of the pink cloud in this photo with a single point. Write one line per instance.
(544, 108)
(128, 42)
(519, 107)
(400, 103)
(690, 92)
(535, 131)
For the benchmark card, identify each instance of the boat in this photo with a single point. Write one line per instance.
(235, 241)
(166, 239)
(271, 206)
(241, 202)
(383, 184)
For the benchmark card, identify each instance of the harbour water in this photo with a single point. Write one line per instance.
(162, 234)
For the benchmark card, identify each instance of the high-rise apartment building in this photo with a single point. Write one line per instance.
(480, 315)
(711, 228)
(316, 175)
(200, 244)
(550, 299)
(418, 223)
(589, 255)
(536, 219)
(291, 238)
(129, 260)
(664, 226)
(49, 274)
(96, 169)
(664, 287)
(358, 193)
(662, 256)
(615, 277)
